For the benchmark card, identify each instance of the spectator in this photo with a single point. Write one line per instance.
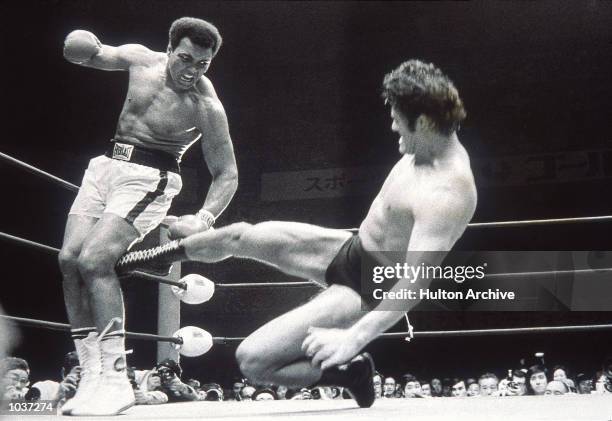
(425, 389)
(147, 387)
(196, 385)
(446, 387)
(264, 395)
(436, 387)
(458, 389)
(537, 380)
(518, 385)
(473, 389)
(58, 392)
(377, 379)
(303, 395)
(15, 378)
(236, 389)
(560, 373)
(212, 392)
(556, 387)
(488, 383)
(246, 393)
(281, 392)
(170, 374)
(412, 387)
(585, 384)
(389, 388)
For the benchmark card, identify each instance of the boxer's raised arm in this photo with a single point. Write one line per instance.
(84, 48)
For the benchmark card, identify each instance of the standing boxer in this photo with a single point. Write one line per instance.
(126, 193)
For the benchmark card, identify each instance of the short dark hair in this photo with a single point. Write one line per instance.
(416, 88)
(199, 31)
(13, 363)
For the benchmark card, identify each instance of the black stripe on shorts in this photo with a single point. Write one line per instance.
(149, 198)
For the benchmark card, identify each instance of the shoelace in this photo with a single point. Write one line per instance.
(143, 256)
(106, 332)
(410, 329)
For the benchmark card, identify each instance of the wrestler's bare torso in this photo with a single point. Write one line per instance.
(156, 115)
(410, 189)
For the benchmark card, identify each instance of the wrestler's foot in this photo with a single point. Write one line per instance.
(361, 371)
(356, 376)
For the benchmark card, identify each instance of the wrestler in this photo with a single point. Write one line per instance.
(126, 193)
(423, 206)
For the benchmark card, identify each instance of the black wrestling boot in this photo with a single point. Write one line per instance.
(357, 377)
(156, 261)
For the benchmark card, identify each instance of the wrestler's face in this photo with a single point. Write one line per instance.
(188, 62)
(400, 126)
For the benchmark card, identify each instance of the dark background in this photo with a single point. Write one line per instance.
(301, 86)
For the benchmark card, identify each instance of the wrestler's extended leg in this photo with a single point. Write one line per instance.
(297, 249)
(76, 297)
(273, 352)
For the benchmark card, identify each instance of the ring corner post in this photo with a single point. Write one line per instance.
(169, 308)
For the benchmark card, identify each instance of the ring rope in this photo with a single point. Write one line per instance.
(39, 172)
(163, 280)
(22, 321)
(500, 224)
(29, 243)
(476, 332)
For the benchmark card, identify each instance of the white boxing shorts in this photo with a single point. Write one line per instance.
(137, 193)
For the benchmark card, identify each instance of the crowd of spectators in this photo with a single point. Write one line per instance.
(164, 383)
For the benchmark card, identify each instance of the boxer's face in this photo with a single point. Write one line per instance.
(188, 62)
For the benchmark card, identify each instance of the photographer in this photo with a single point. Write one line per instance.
(604, 380)
(49, 390)
(169, 372)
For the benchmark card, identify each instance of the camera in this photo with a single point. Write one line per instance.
(166, 375)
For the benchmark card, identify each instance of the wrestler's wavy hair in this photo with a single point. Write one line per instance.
(416, 88)
(199, 31)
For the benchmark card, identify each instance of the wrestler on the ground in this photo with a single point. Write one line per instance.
(126, 193)
(424, 206)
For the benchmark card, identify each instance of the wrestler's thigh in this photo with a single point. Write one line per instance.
(297, 249)
(279, 341)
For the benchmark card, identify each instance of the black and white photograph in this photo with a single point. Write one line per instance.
(374, 210)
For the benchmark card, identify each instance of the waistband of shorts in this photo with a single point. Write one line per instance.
(143, 156)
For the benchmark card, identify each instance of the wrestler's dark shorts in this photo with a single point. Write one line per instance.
(345, 269)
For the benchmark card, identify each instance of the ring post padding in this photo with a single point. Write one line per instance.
(169, 306)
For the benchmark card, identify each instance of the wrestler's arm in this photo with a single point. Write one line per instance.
(218, 152)
(435, 230)
(84, 48)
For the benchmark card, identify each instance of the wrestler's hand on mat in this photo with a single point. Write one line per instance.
(330, 347)
(185, 226)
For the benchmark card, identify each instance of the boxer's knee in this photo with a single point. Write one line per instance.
(252, 363)
(68, 260)
(96, 263)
